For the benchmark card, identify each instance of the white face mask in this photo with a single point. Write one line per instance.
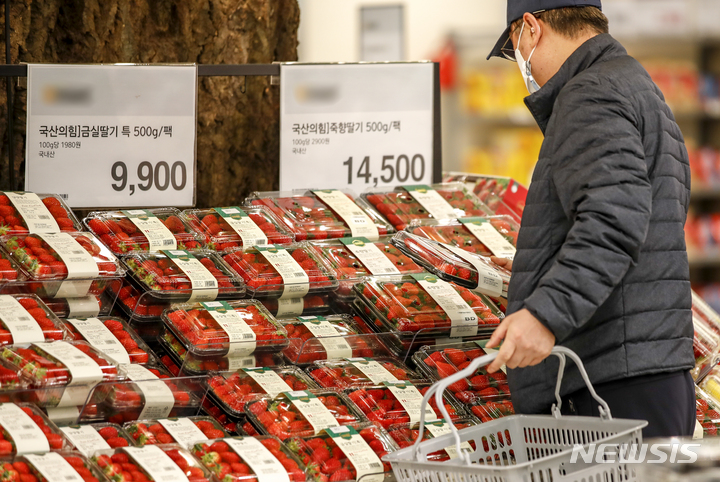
(525, 67)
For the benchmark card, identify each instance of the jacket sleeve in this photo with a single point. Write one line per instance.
(600, 175)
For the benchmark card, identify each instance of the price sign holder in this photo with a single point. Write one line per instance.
(359, 125)
(112, 135)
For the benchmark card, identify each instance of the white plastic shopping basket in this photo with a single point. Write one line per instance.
(523, 448)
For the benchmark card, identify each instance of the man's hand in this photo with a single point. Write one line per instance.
(502, 262)
(527, 341)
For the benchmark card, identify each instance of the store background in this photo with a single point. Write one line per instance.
(486, 127)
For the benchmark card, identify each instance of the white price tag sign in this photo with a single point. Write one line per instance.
(335, 345)
(296, 282)
(367, 464)
(370, 256)
(356, 125)
(463, 320)
(411, 399)
(242, 338)
(37, 217)
(21, 325)
(490, 237)
(312, 409)
(128, 128)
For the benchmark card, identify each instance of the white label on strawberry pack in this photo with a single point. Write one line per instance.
(289, 307)
(63, 415)
(370, 256)
(20, 323)
(70, 288)
(411, 400)
(373, 370)
(266, 467)
(80, 264)
(242, 337)
(158, 235)
(84, 371)
(490, 237)
(238, 363)
(158, 397)
(85, 307)
(183, 430)
(440, 427)
(204, 284)
(489, 351)
(85, 439)
(268, 380)
(156, 463)
(243, 225)
(36, 216)
(54, 467)
(95, 333)
(359, 223)
(463, 320)
(432, 202)
(25, 433)
(312, 409)
(489, 281)
(361, 456)
(335, 345)
(296, 282)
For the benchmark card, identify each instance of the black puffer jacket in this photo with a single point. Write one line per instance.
(601, 257)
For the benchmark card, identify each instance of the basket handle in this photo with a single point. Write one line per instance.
(438, 388)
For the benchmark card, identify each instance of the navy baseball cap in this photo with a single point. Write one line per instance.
(517, 8)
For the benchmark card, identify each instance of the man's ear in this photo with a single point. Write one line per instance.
(533, 28)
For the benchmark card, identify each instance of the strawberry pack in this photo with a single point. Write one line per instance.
(404, 204)
(707, 412)
(113, 337)
(476, 235)
(291, 271)
(351, 259)
(177, 275)
(87, 439)
(361, 372)
(342, 454)
(234, 389)
(152, 463)
(24, 429)
(24, 213)
(323, 214)
(248, 459)
(26, 319)
(62, 256)
(142, 230)
(8, 272)
(405, 434)
(301, 413)
(315, 338)
(234, 227)
(183, 431)
(51, 467)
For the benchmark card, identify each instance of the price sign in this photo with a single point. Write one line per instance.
(358, 125)
(112, 135)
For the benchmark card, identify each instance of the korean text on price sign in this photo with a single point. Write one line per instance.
(112, 135)
(356, 125)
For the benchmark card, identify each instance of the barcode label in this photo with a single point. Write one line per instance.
(158, 235)
(22, 327)
(242, 338)
(204, 284)
(296, 282)
(64, 196)
(370, 256)
(27, 435)
(243, 225)
(359, 223)
(42, 216)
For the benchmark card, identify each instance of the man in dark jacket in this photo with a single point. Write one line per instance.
(601, 265)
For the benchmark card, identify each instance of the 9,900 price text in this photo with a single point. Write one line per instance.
(393, 169)
(161, 176)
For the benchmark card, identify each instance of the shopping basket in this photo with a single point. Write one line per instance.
(527, 448)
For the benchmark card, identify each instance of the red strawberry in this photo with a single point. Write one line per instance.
(117, 442)
(108, 432)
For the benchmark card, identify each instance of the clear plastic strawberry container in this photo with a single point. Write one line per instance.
(381, 406)
(161, 275)
(190, 362)
(310, 218)
(312, 340)
(109, 436)
(55, 217)
(197, 325)
(309, 305)
(138, 305)
(331, 463)
(400, 208)
(29, 319)
(8, 272)
(488, 410)
(405, 434)
(238, 460)
(114, 463)
(232, 425)
(456, 233)
(281, 417)
(362, 372)
(183, 431)
(707, 412)
(233, 390)
(220, 234)
(349, 269)
(443, 361)
(405, 306)
(24, 429)
(134, 349)
(704, 314)
(39, 261)
(264, 280)
(91, 305)
(122, 235)
(53, 466)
